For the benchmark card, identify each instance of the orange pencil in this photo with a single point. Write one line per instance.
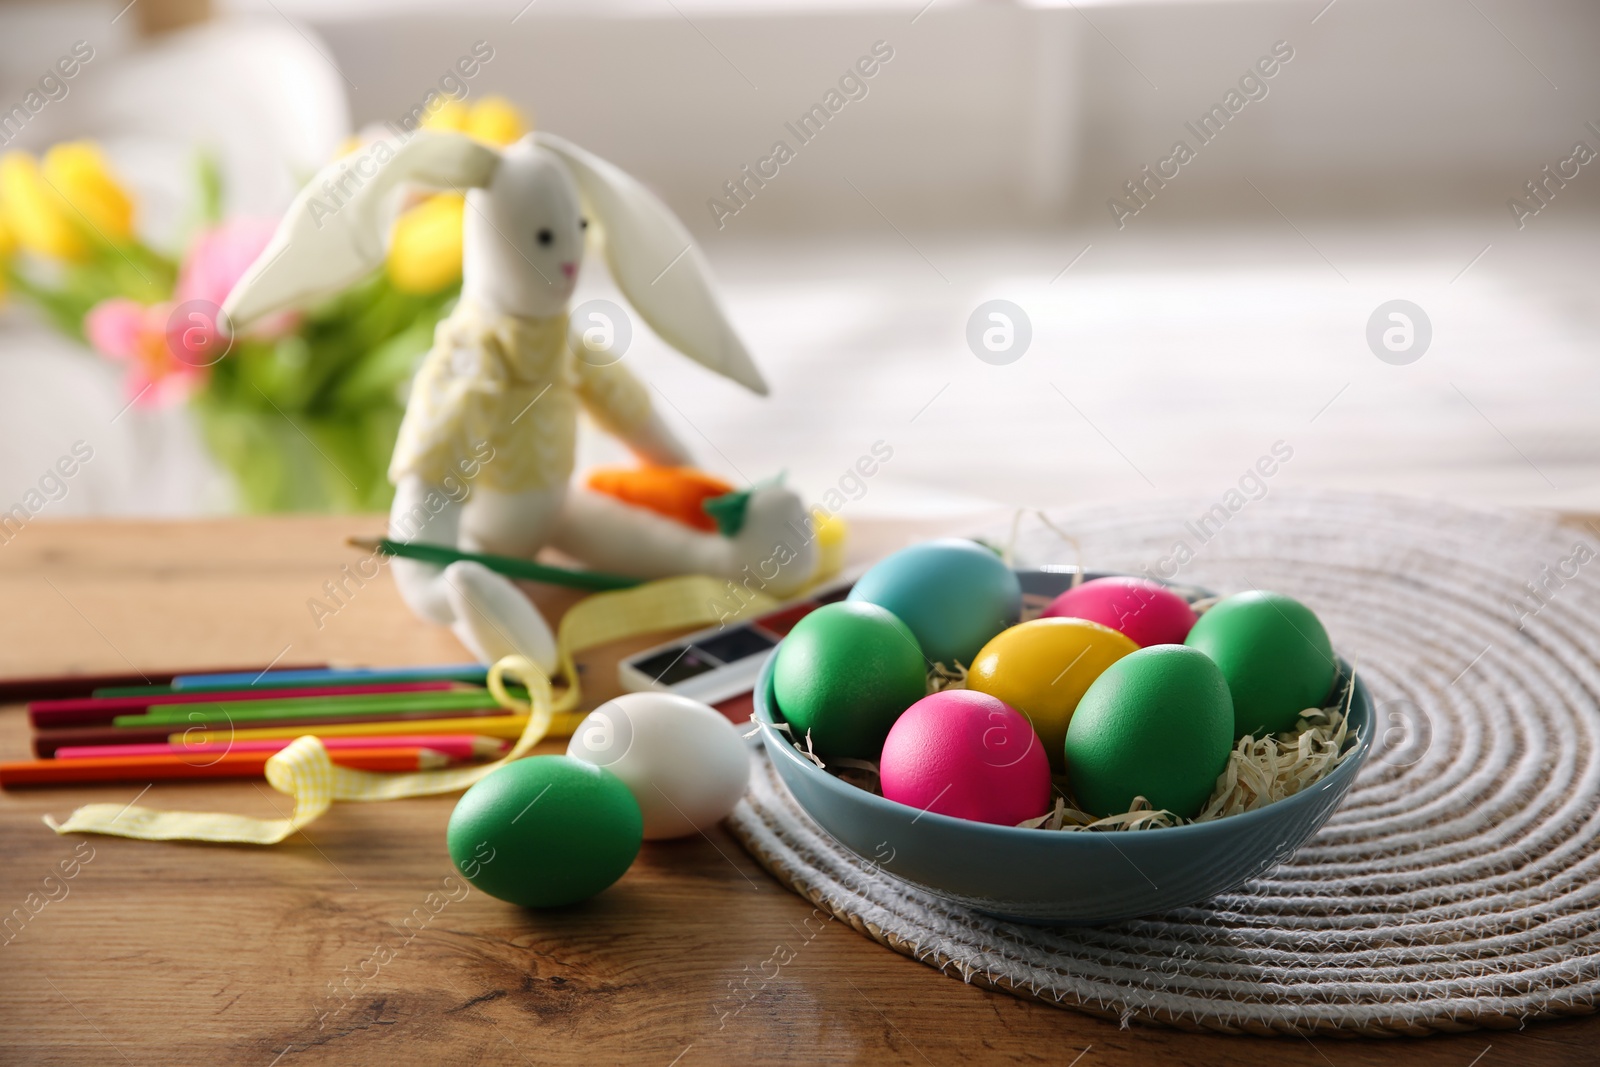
(231, 765)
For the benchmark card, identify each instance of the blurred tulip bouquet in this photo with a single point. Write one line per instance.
(302, 411)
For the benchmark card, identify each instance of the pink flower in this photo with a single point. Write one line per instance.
(219, 256)
(168, 346)
(152, 345)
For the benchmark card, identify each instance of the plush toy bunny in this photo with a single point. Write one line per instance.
(485, 453)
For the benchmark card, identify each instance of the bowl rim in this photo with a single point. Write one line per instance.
(764, 703)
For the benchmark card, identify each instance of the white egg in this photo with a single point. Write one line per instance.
(683, 760)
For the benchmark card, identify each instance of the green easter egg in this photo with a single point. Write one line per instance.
(845, 673)
(1158, 723)
(545, 831)
(1275, 655)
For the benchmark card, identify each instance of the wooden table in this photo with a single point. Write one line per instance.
(200, 954)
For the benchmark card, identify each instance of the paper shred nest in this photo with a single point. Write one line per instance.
(1260, 771)
(942, 677)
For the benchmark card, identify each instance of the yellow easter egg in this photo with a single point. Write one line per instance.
(1042, 668)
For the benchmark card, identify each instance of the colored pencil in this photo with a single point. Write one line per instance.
(46, 742)
(456, 746)
(311, 708)
(472, 673)
(507, 726)
(525, 569)
(89, 711)
(230, 765)
(18, 690)
(131, 690)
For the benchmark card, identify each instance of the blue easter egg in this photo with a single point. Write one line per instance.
(952, 593)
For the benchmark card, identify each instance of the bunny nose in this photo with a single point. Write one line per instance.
(569, 269)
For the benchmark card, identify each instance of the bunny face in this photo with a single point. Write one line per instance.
(523, 239)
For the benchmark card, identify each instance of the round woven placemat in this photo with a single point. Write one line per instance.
(1458, 886)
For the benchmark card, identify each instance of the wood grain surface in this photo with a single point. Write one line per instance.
(356, 943)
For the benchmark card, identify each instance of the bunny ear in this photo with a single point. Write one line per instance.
(333, 234)
(657, 265)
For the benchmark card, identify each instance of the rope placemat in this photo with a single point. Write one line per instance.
(1458, 886)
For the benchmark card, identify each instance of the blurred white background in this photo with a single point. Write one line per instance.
(1167, 354)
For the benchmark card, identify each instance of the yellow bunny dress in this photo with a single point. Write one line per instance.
(511, 384)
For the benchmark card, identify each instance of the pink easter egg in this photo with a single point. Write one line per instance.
(968, 755)
(1146, 612)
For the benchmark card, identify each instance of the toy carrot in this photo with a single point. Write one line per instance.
(678, 493)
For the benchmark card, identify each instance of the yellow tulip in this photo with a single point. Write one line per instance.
(451, 116)
(425, 247)
(494, 120)
(8, 248)
(78, 171)
(35, 213)
(58, 208)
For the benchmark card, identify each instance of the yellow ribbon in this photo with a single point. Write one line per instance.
(691, 601)
(304, 771)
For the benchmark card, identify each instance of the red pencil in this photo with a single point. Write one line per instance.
(232, 765)
(93, 711)
(16, 690)
(456, 746)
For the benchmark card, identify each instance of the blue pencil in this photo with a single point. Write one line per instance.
(472, 673)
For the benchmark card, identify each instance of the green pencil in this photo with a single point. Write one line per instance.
(132, 691)
(526, 569)
(311, 707)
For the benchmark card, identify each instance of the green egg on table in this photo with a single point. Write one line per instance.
(1275, 655)
(1157, 723)
(545, 831)
(954, 594)
(844, 674)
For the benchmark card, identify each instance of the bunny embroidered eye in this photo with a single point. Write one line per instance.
(583, 224)
(545, 237)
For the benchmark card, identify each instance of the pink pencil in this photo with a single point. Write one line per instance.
(455, 746)
(93, 711)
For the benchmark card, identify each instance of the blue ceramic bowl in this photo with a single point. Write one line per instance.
(1045, 876)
